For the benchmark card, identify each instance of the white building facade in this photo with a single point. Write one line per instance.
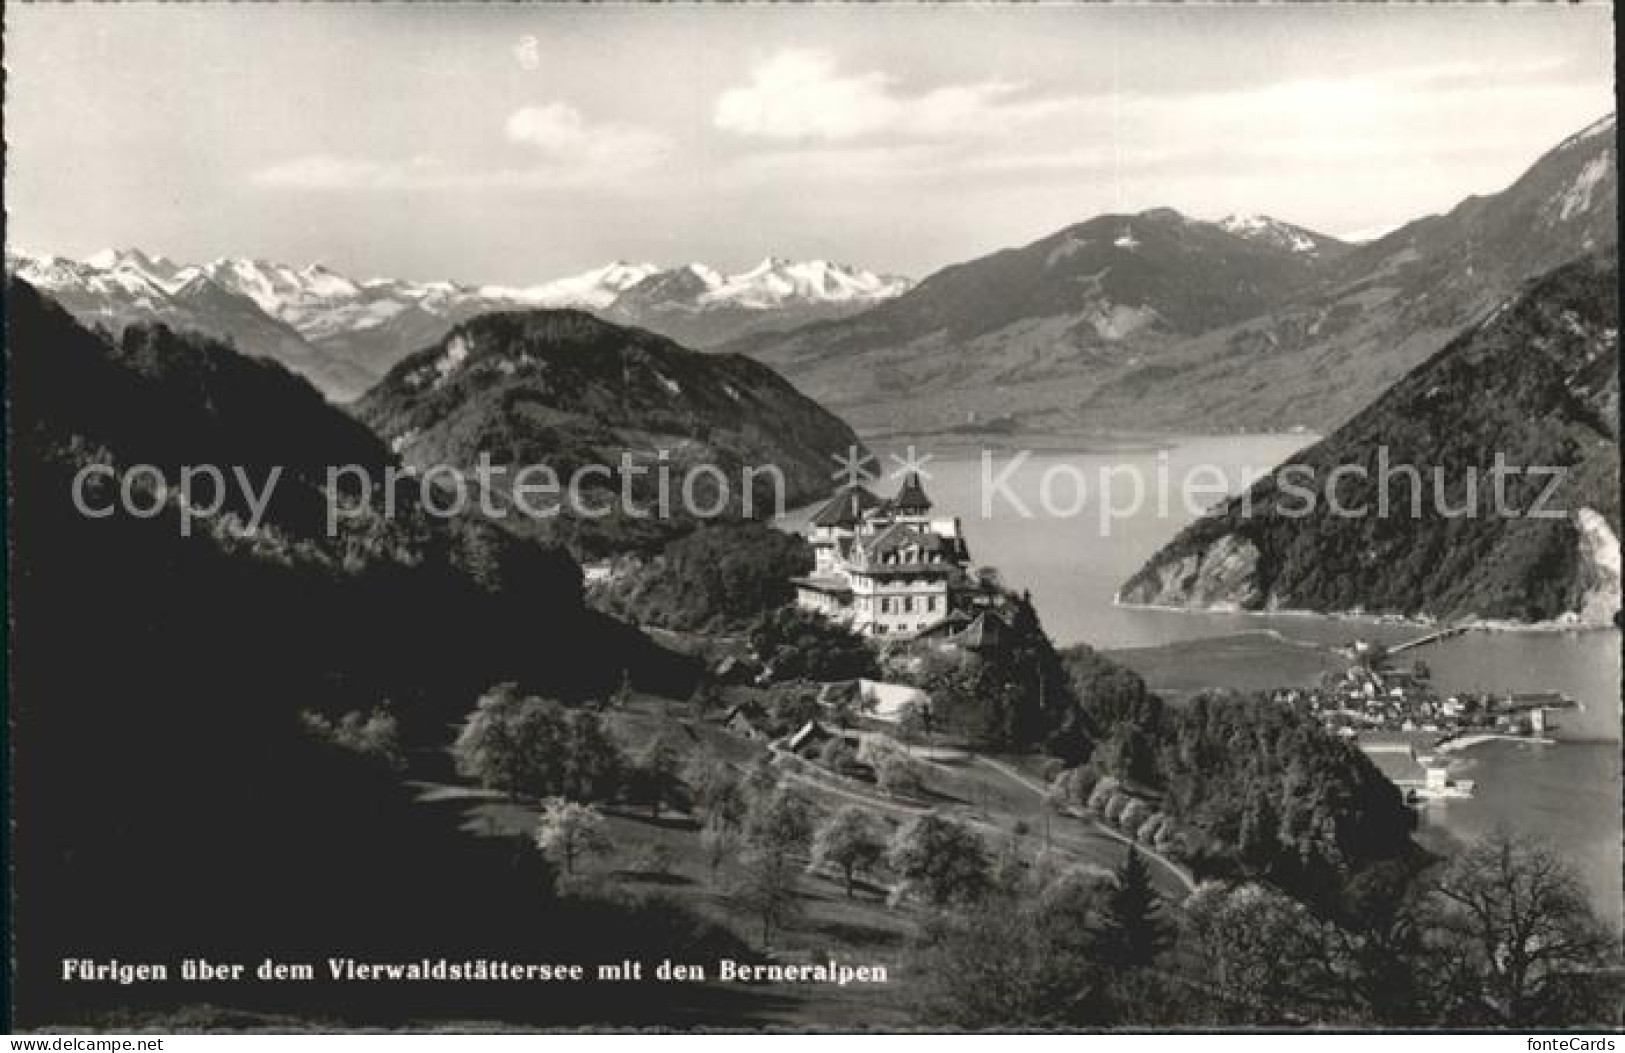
(885, 567)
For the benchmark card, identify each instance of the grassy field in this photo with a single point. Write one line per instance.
(1250, 662)
(999, 797)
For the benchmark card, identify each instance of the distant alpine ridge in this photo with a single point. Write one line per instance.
(1160, 321)
(697, 306)
(345, 334)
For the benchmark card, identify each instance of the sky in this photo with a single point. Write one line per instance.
(513, 144)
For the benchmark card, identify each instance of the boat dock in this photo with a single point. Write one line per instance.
(1433, 637)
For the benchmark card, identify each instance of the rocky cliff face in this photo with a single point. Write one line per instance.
(1535, 390)
(1599, 568)
(1223, 576)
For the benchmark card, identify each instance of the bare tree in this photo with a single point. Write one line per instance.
(1524, 936)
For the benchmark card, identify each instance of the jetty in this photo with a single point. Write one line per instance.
(1430, 638)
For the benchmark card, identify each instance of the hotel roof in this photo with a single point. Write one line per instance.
(847, 507)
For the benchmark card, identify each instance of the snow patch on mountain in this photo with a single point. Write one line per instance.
(776, 282)
(1068, 248)
(1578, 197)
(1269, 231)
(594, 289)
(1590, 131)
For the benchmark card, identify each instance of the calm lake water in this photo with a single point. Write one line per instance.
(1074, 547)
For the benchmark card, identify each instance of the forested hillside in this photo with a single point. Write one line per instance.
(1536, 386)
(564, 390)
(158, 682)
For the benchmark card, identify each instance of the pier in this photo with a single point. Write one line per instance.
(1430, 638)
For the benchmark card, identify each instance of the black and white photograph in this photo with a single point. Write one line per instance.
(813, 518)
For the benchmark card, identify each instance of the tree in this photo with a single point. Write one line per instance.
(780, 821)
(914, 723)
(1385, 915)
(942, 859)
(715, 788)
(376, 735)
(846, 713)
(1071, 788)
(721, 575)
(623, 690)
(1131, 932)
(570, 831)
(985, 967)
(1259, 953)
(794, 644)
(594, 768)
(514, 744)
(719, 839)
(790, 706)
(706, 697)
(1259, 841)
(761, 779)
(1128, 755)
(720, 799)
(1133, 816)
(765, 888)
(1518, 922)
(851, 842)
(837, 755)
(777, 826)
(896, 773)
(653, 780)
(1009, 962)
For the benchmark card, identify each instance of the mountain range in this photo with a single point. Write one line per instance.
(344, 334)
(1150, 321)
(1038, 327)
(1535, 385)
(1157, 321)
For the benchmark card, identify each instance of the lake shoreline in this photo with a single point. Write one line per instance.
(1488, 625)
(1467, 742)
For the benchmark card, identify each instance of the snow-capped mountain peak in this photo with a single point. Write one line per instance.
(301, 313)
(1271, 231)
(711, 277)
(107, 259)
(594, 289)
(776, 281)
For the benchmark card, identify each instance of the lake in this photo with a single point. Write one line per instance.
(1067, 527)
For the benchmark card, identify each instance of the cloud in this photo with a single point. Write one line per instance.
(566, 151)
(327, 172)
(561, 134)
(812, 122)
(803, 95)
